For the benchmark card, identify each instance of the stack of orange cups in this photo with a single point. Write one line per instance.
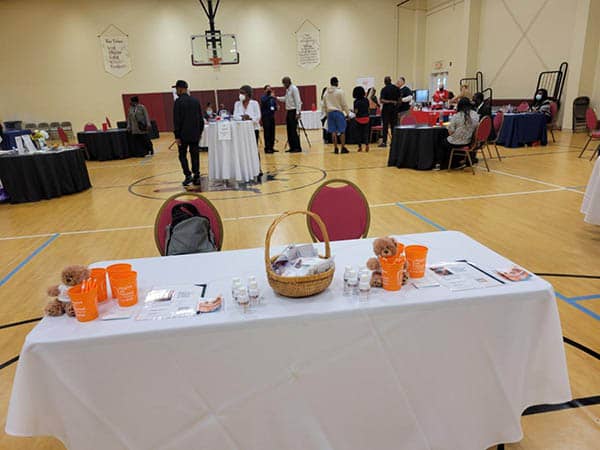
(111, 270)
(85, 302)
(416, 256)
(392, 269)
(99, 275)
(125, 286)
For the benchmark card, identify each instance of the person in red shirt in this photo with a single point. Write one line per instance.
(440, 97)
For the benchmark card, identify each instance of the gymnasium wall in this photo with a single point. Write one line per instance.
(52, 67)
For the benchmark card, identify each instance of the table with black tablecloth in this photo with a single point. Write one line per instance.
(43, 175)
(415, 147)
(352, 131)
(8, 138)
(106, 145)
(522, 129)
(152, 133)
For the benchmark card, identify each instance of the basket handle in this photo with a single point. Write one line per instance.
(280, 219)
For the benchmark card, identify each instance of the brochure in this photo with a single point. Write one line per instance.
(463, 275)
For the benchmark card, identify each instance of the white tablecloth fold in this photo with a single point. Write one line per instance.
(591, 198)
(416, 369)
(235, 159)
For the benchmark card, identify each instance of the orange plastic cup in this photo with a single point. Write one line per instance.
(85, 303)
(416, 255)
(125, 286)
(399, 248)
(392, 272)
(122, 267)
(99, 275)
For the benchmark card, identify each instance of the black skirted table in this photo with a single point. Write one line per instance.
(41, 176)
(352, 131)
(416, 147)
(522, 129)
(106, 145)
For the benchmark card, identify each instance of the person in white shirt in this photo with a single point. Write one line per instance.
(336, 107)
(293, 107)
(248, 109)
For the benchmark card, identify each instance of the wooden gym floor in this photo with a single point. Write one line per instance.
(527, 209)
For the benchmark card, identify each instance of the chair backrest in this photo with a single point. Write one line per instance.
(30, 126)
(63, 136)
(498, 121)
(43, 126)
(204, 206)
(54, 125)
(408, 119)
(591, 119)
(66, 125)
(344, 210)
(523, 107)
(90, 127)
(483, 130)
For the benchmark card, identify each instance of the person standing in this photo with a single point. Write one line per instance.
(293, 107)
(373, 102)
(361, 109)
(268, 107)
(248, 109)
(334, 104)
(138, 123)
(388, 98)
(405, 97)
(188, 125)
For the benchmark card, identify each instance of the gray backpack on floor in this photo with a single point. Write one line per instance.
(189, 232)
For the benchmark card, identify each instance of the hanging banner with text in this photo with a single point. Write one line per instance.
(115, 51)
(308, 45)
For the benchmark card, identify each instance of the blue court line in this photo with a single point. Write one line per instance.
(570, 300)
(423, 218)
(29, 258)
(585, 297)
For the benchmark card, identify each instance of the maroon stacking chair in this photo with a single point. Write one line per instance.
(204, 207)
(592, 124)
(523, 107)
(497, 124)
(482, 133)
(408, 119)
(65, 141)
(343, 208)
(554, 117)
(90, 127)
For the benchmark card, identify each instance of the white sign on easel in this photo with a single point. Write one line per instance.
(224, 130)
(29, 145)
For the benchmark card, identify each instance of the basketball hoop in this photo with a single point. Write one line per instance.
(216, 62)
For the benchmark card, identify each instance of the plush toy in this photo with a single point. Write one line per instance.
(385, 247)
(61, 303)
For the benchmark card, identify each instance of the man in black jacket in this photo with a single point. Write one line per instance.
(188, 125)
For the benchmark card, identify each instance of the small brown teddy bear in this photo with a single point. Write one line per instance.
(61, 303)
(386, 247)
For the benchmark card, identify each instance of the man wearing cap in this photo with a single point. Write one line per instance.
(188, 125)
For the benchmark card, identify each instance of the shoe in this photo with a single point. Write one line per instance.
(298, 150)
(196, 180)
(268, 152)
(275, 151)
(188, 180)
(437, 167)
(336, 151)
(367, 149)
(382, 145)
(360, 149)
(344, 150)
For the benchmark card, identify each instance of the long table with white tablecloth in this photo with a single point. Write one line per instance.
(591, 198)
(232, 152)
(414, 369)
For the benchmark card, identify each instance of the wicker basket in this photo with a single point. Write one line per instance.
(297, 287)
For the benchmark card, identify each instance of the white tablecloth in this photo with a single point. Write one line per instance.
(235, 159)
(311, 120)
(416, 369)
(591, 198)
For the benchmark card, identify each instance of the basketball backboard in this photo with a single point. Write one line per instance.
(205, 47)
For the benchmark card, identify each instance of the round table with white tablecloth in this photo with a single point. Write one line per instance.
(591, 199)
(232, 151)
(311, 120)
